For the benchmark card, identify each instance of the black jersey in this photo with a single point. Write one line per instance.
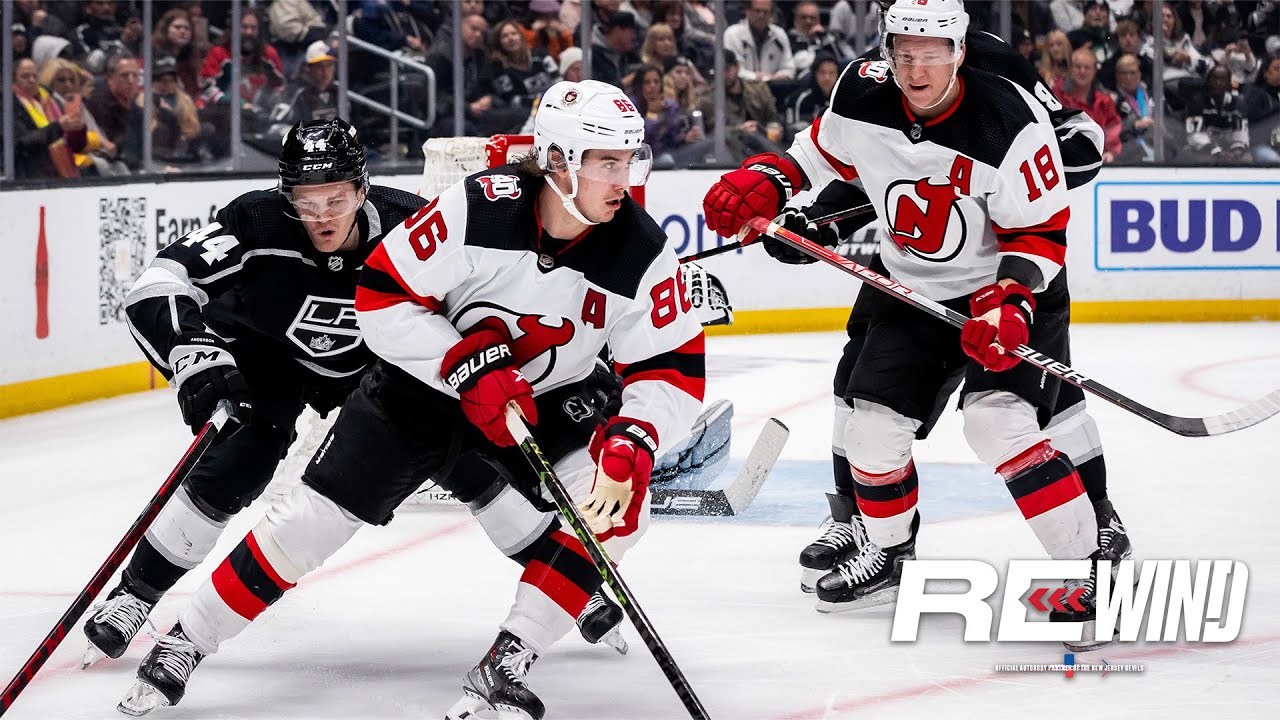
(254, 278)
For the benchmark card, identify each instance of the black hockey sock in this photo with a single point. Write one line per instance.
(1093, 474)
(844, 480)
(150, 574)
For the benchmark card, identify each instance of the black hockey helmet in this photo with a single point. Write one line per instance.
(318, 152)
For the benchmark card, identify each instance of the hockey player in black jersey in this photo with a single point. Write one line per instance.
(918, 135)
(256, 308)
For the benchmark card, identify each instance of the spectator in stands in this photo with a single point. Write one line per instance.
(1067, 14)
(47, 136)
(612, 61)
(1217, 130)
(1262, 111)
(97, 34)
(1095, 33)
(663, 126)
(545, 32)
(1081, 90)
(398, 25)
(1137, 112)
(132, 35)
(261, 82)
(37, 21)
(1181, 59)
(64, 80)
(517, 74)
(808, 105)
(1055, 60)
(1209, 23)
(482, 116)
(679, 84)
(116, 108)
(808, 37)
(1025, 45)
(316, 98)
(750, 110)
(1031, 16)
(762, 48)
(691, 43)
(173, 37)
(175, 127)
(1263, 27)
(294, 25)
(1236, 55)
(1128, 42)
(571, 64)
(659, 45)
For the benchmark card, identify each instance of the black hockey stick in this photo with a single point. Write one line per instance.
(745, 241)
(203, 440)
(1247, 416)
(604, 565)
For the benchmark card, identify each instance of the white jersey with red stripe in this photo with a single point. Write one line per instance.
(978, 189)
(477, 257)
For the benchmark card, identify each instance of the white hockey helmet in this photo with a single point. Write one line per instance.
(924, 18)
(574, 117)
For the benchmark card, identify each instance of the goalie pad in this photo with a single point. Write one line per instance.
(704, 452)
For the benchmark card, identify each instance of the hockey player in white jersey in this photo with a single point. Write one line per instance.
(964, 171)
(503, 289)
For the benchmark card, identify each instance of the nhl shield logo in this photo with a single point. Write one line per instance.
(325, 327)
(335, 263)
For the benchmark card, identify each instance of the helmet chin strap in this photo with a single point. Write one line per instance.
(568, 200)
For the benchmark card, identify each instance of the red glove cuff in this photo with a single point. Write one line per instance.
(474, 356)
(990, 297)
(784, 174)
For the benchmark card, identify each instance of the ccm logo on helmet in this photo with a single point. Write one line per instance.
(317, 166)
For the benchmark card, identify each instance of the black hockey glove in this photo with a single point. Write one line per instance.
(797, 222)
(204, 373)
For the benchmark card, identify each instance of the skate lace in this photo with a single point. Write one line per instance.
(516, 665)
(595, 603)
(123, 612)
(1107, 535)
(839, 535)
(177, 655)
(862, 566)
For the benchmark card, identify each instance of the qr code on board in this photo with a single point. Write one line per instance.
(122, 253)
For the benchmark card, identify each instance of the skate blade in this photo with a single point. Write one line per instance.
(809, 578)
(470, 707)
(141, 699)
(91, 655)
(1085, 645)
(870, 600)
(614, 639)
(510, 712)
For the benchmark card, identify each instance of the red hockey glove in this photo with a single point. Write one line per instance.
(623, 450)
(1001, 322)
(759, 188)
(481, 368)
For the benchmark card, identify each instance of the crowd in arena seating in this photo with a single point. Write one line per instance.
(78, 97)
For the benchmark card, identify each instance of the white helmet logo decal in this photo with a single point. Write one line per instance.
(571, 97)
(315, 145)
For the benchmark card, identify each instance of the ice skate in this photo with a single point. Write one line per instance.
(842, 535)
(497, 684)
(163, 674)
(867, 579)
(1087, 641)
(601, 621)
(114, 623)
(1113, 540)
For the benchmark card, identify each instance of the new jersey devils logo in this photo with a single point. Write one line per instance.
(924, 219)
(538, 335)
(500, 186)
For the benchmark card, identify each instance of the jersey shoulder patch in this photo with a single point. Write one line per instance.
(501, 205)
(393, 207)
(863, 89)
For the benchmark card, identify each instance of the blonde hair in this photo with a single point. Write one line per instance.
(646, 53)
(51, 67)
(1049, 69)
(687, 100)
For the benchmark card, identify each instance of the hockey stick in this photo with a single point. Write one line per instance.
(735, 498)
(604, 565)
(744, 241)
(203, 440)
(1247, 416)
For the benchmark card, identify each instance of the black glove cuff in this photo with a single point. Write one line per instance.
(467, 373)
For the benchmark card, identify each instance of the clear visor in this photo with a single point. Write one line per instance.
(906, 57)
(617, 167)
(321, 203)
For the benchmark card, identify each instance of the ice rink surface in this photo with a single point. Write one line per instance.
(387, 628)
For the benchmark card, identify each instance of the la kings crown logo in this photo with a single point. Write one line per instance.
(325, 326)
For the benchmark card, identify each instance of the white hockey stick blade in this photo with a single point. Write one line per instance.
(735, 498)
(759, 463)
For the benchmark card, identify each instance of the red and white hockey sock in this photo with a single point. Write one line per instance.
(887, 502)
(242, 586)
(554, 589)
(1048, 491)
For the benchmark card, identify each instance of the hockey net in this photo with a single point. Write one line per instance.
(448, 160)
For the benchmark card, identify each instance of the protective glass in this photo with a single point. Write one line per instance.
(321, 203)
(605, 166)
